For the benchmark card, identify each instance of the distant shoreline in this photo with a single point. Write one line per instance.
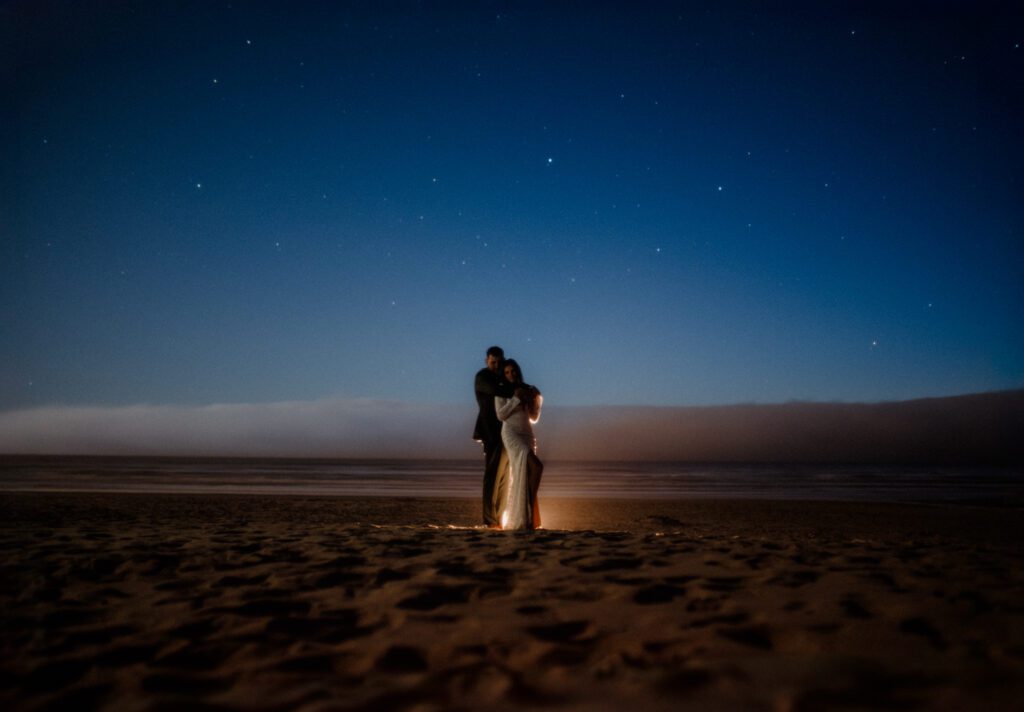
(461, 479)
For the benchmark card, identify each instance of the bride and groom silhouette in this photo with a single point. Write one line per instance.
(512, 471)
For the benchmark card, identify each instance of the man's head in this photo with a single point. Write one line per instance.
(495, 356)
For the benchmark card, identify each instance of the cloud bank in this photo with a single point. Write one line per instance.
(973, 429)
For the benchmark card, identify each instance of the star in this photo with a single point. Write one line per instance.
(199, 186)
(719, 188)
(550, 160)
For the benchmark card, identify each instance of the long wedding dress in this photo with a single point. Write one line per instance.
(520, 500)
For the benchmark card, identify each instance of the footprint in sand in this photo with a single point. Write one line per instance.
(335, 578)
(82, 698)
(978, 602)
(345, 561)
(824, 628)
(197, 657)
(531, 610)
(922, 627)
(860, 560)
(566, 656)
(313, 664)
(727, 584)
(731, 619)
(195, 630)
(402, 659)
(100, 636)
(179, 585)
(54, 675)
(70, 617)
(235, 581)
(658, 593)
(886, 580)
(388, 574)
(330, 627)
(854, 608)
(124, 655)
(457, 569)
(161, 564)
(706, 604)
(406, 552)
(560, 632)
(186, 685)
(266, 607)
(611, 564)
(795, 579)
(433, 597)
(757, 636)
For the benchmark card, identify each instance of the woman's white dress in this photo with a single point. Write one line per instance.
(517, 437)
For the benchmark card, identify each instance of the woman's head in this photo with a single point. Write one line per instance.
(512, 372)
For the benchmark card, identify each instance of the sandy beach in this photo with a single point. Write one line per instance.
(149, 602)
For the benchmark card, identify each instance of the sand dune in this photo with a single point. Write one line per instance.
(224, 603)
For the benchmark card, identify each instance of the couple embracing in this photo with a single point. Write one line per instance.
(512, 470)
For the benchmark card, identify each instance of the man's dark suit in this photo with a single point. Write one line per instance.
(488, 431)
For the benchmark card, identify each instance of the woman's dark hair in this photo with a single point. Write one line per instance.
(514, 364)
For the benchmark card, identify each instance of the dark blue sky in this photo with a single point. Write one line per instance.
(645, 203)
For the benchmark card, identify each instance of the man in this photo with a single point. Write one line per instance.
(487, 385)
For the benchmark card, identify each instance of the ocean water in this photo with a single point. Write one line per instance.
(462, 478)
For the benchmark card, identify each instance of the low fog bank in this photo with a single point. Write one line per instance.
(327, 428)
(973, 429)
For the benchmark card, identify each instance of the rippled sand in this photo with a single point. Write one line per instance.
(136, 602)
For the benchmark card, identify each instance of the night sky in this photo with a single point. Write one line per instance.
(644, 203)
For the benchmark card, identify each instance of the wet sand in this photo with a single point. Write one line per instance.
(148, 602)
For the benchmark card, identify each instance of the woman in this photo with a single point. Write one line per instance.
(517, 414)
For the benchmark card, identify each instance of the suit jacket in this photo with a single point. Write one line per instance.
(488, 385)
